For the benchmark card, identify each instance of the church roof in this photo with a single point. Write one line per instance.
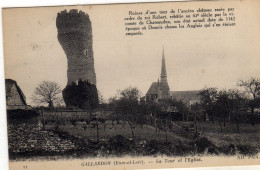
(9, 83)
(153, 88)
(185, 96)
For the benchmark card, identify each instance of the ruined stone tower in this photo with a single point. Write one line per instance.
(75, 37)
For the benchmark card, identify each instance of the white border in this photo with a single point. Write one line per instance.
(29, 3)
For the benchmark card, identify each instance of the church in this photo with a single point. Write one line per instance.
(160, 90)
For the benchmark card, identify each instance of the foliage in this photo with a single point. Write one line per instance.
(231, 104)
(84, 95)
(252, 89)
(126, 106)
(208, 99)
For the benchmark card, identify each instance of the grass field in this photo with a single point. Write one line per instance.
(115, 138)
(228, 142)
(249, 135)
(107, 130)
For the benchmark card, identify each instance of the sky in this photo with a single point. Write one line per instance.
(195, 58)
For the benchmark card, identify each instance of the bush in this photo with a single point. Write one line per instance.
(119, 145)
(20, 114)
(203, 143)
(247, 150)
(153, 147)
(228, 149)
(182, 149)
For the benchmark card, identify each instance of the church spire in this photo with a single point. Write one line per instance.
(164, 87)
(163, 69)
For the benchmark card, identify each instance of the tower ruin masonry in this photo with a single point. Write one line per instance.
(75, 37)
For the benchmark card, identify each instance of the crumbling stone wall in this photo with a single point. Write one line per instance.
(29, 137)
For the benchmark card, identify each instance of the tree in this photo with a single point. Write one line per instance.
(47, 93)
(129, 106)
(182, 109)
(238, 105)
(152, 111)
(102, 103)
(223, 106)
(113, 105)
(195, 111)
(208, 100)
(252, 88)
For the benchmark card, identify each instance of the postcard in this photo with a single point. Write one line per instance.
(133, 86)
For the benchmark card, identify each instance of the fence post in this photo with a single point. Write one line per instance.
(166, 124)
(43, 120)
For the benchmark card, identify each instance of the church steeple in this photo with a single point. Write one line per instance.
(163, 69)
(164, 87)
(159, 90)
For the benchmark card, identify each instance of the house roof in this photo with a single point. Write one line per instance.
(9, 83)
(185, 96)
(153, 89)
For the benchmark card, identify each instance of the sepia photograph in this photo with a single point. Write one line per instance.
(133, 86)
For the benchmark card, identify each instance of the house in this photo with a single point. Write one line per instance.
(187, 97)
(15, 99)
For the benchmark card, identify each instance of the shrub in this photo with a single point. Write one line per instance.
(247, 149)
